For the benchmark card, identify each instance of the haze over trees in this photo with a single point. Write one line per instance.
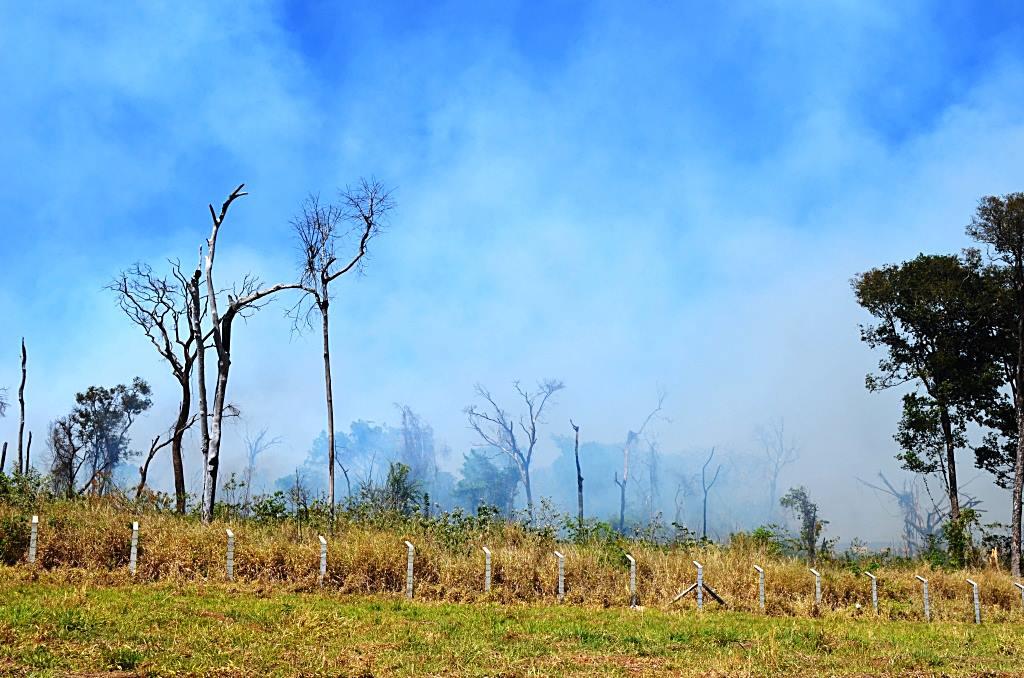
(948, 330)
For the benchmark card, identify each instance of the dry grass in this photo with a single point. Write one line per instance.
(90, 542)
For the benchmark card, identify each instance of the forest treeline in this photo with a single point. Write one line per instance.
(949, 329)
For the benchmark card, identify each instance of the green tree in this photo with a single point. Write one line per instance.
(485, 483)
(935, 326)
(94, 438)
(998, 224)
(806, 512)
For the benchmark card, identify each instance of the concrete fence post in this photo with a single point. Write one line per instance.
(408, 569)
(924, 594)
(133, 558)
(487, 569)
(977, 602)
(561, 576)
(231, 555)
(817, 586)
(700, 585)
(1021, 587)
(323, 559)
(33, 540)
(633, 602)
(874, 591)
(760, 586)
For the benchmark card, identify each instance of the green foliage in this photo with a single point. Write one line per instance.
(270, 508)
(806, 511)
(959, 542)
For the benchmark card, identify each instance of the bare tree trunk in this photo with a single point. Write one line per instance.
(176, 441)
(3, 457)
(579, 473)
(216, 424)
(204, 415)
(324, 307)
(21, 407)
(952, 488)
(529, 492)
(1018, 467)
(28, 453)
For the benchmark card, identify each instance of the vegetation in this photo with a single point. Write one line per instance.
(277, 550)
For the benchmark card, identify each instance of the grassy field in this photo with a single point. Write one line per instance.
(54, 625)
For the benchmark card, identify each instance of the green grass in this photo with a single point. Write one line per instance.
(60, 628)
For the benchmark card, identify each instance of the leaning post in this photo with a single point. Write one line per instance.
(487, 569)
(632, 581)
(33, 540)
(561, 576)
(133, 557)
(874, 591)
(760, 586)
(817, 586)
(924, 594)
(410, 550)
(977, 602)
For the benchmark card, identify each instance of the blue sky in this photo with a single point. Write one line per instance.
(620, 195)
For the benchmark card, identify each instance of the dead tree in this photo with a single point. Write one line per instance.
(779, 453)
(321, 230)
(707, 488)
(160, 307)
(631, 438)
(245, 298)
(28, 453)
(3, 457)
(160, 442)
(21, 407)
(255, 446)
(497, 429)
(579, 472)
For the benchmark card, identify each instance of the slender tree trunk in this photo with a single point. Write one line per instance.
(176, 442)
(3, 458)
(1018, 467)
(204, 415)
(525, 469)
(324, 308)
(579, 475)
(21, 407)
(704, 522)
(28, 453)
(216, 424)
(625, 480)
(954, 490)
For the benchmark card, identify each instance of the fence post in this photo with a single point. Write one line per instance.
(33, 540)
(817, 586)
(1021, 587)
(323, 558)
(924, 593)
(633, 602)
(133, 558)
(231, 555)
(760, 586)
(874, 591)
(700, 585)
(561, 576)
(487, 569)
(977, 604)
(408, 569)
